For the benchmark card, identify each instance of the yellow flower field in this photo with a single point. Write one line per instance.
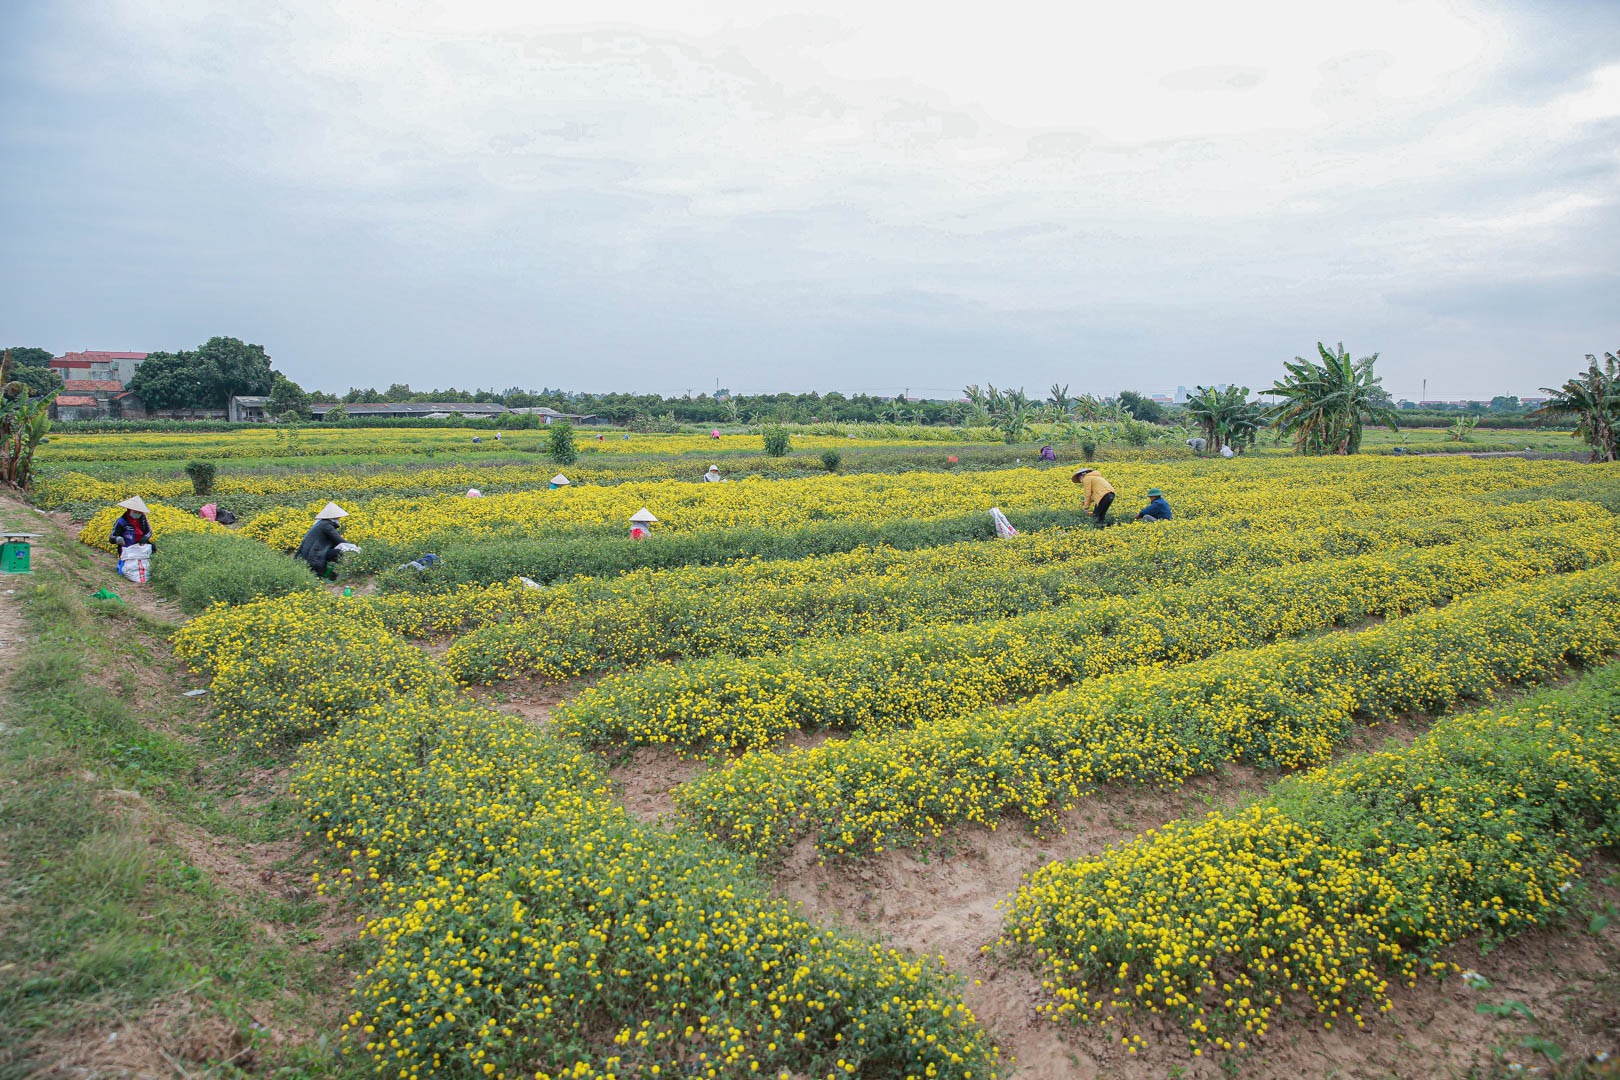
(521, 920)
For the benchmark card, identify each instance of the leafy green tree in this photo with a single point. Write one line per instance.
(1505, 403)
(776, 441)
(287, 399)
(1326, 404)
(171, 380)
(1593, 399)
(231, 368)
(1141, 407)
(207, 378)
(32, 367)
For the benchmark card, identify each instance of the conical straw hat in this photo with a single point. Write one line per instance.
(331, 510)
(560, 480)
(134, 503)
(644, 516)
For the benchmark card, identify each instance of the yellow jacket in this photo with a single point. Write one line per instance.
(1095, 488)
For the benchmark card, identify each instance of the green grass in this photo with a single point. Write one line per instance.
(104, 920)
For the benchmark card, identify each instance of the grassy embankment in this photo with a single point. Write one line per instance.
(153, 918)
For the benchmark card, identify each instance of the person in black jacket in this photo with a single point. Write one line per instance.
(132, 527)
(320, 546)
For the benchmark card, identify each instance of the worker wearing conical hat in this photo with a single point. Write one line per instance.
(1099, 494)
(558, 481)
(713, 475)
(132, 526)
(320, 546)
(641, 523)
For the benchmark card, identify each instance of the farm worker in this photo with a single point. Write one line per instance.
(474, 493)
(599, 438)
(1048, 454)
(949, 461)
(1099, 494)
(714, 434)
(497, 436)
(1196, 445)
(1157, 508)
(713, 475)
(558, 481)
(320, 546)
(476, 439)
(641, 523)
(132, 527)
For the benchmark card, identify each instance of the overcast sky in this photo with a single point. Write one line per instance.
(832, 195)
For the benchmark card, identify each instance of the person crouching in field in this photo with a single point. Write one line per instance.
(132, 526)
(1157, 509)
(320, 546)
(1099, 494)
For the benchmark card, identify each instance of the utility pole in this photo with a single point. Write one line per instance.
(1425, 396)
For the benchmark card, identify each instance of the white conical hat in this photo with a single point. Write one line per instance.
(134, 503)
(333, 511)
(560, 480)
(474, 493)
(644, 516)
(714, 468)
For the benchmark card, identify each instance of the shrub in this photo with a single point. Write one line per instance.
(776, 440)
(562, 442)
(831, 459)
(202, 476)
(1088, 448)
(1136, 433)
(200, 569)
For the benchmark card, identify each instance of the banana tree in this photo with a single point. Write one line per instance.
(23, 424)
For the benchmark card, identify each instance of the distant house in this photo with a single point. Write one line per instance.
(548, 416)
(75, 407)
(247, 408)
(108, 366)
(414, 410)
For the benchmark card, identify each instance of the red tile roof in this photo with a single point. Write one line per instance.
(89, 357)
(74, 399)
(92, 384)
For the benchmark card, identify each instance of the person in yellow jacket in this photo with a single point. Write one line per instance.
(1099, 494)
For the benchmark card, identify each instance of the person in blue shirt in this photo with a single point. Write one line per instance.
(1157, 509)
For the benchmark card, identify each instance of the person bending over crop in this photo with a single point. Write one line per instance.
(1099, 494)
(1157, 508)
(320, 546)
(132, 526)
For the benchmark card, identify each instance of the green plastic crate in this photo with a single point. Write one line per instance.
(14, 557)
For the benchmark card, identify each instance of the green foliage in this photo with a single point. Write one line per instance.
(776, 440)
(1141, 407)
(1325, 404)
(1136, 433)
(1592, 398)
(1462, 429)
(287, 400)
(337, 414)
(202, 476)
(1088, 447)
(561, 433)
(24, 420)
(207, 378)
(831, 459)
(200, 569)
(1225, 416)
(1010, 410)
